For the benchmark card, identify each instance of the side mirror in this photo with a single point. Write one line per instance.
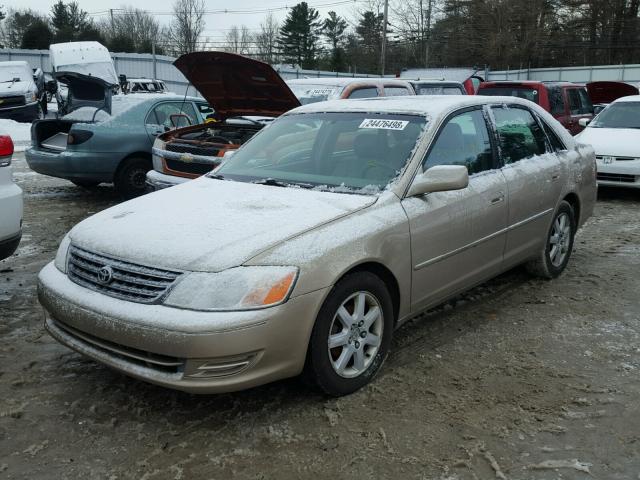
(51, 86)
(597, 109)
(583, 122)
(440, 178)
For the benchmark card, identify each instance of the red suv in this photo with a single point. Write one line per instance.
(567, 102)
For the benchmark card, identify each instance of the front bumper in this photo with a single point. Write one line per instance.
(9, 245)
(26, 113)
(73, 165)
(619, 173)
(157, 180)
(197, 352)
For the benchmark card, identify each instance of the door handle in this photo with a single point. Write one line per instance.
(497, 199)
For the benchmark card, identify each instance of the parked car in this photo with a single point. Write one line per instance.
(10, 202)
(246, 95)
(23, 96)
(468, 77)
(615, 136)
(567, 102)
(316, 239)
(142, 85)
(310, 90)
(438, 87)
(108, 140)
(603, 93)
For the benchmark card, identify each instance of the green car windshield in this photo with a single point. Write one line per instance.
(350, 152)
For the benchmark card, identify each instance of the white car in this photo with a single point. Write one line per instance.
(10, 202)
(615, 136)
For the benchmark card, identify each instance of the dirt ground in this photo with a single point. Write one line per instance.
(518, 379)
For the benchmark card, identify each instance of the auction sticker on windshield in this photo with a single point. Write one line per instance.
(384, 124)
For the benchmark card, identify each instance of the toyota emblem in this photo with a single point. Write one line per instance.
(105, 275)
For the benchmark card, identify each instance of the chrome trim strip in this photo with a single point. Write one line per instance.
(178, 156)
(481, 240)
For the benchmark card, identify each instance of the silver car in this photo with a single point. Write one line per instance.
(307, 248)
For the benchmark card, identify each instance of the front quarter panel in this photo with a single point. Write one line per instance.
(379, 233)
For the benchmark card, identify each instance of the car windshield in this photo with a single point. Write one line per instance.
(618, 115)
(9, 73)
(505, 91)
(309, 93)
(348, 152)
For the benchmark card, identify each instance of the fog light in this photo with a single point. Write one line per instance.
(219, 367)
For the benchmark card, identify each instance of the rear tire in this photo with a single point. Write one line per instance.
(351, 336)
(130, 179)
(555, 254)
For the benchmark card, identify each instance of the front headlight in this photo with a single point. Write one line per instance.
(30, 97)
(240, 288)
(61, 257)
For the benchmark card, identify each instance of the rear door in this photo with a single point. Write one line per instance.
(458, 237)
(579, 107)
(534, 177)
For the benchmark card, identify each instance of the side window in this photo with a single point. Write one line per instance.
(519, 134)
(173, 115)
(205, 110)
(396, 91)
(585, 101)
(556, 101)
(575, 106)
(367, 92)
(464, 140)
(554, 140)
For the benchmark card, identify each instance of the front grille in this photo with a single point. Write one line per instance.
(616, 177)
(9, 102)
(193, 149)
(160, 363)
(116, 278)
(194, 168)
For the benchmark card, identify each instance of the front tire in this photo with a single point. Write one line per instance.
(130, 179)
(553, 258)
(352, 334)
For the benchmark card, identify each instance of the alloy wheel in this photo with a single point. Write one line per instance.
(560, 239)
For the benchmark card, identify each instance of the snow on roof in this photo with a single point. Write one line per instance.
(20, 133)
(342, 81)
(455, 74)
(15, 63)
(630, 98)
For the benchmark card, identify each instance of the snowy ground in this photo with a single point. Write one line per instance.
(520, 379)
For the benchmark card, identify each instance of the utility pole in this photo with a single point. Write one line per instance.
(153, 55)
(428, 35)
(383, 51)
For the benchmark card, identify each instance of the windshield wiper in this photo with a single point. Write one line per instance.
(279, 183)
(216, 176)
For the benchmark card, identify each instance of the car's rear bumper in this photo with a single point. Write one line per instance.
(72, 165)
(9, 245)
(158, 181)
(11, 208)
(193, 351)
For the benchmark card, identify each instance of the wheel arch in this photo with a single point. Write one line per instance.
(137, 154)
(572, 199)
(386, 275)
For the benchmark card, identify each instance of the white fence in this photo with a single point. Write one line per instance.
(623, 73)
(144, 65)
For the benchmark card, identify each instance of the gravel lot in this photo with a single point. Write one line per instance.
(518, 379)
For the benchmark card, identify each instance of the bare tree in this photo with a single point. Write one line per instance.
(131, 30)
(266, 39)
(238, 40)
(186, 26)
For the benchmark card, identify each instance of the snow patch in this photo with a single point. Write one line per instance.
(19, 132)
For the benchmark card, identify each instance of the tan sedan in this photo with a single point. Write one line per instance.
(317, 239)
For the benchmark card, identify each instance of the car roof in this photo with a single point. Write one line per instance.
(343, 81)
(527, 82)
(425, 105)
(142, 79)
(630, 98)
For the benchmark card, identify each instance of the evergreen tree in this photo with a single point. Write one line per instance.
(38, 35)
(370, 31)
(71, 23)
(333, 28)
(299, 36)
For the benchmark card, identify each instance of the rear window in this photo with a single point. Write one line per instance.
(396, 91)
(367, 92)
(528, 93)
(312, 93)
(438, 90)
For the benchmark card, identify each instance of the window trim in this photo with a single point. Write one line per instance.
(547, 143)
(418, 169)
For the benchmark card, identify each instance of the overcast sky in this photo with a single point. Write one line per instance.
(216, 24)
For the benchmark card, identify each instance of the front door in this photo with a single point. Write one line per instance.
(457, 237)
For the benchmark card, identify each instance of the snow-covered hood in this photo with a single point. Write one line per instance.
(209, 225)
(621, 142)
(16, 88)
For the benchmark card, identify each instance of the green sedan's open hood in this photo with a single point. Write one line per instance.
(237, 86)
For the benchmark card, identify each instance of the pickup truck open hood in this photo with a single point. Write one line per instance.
(235, 85)
(607, 92)
(85, 91)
